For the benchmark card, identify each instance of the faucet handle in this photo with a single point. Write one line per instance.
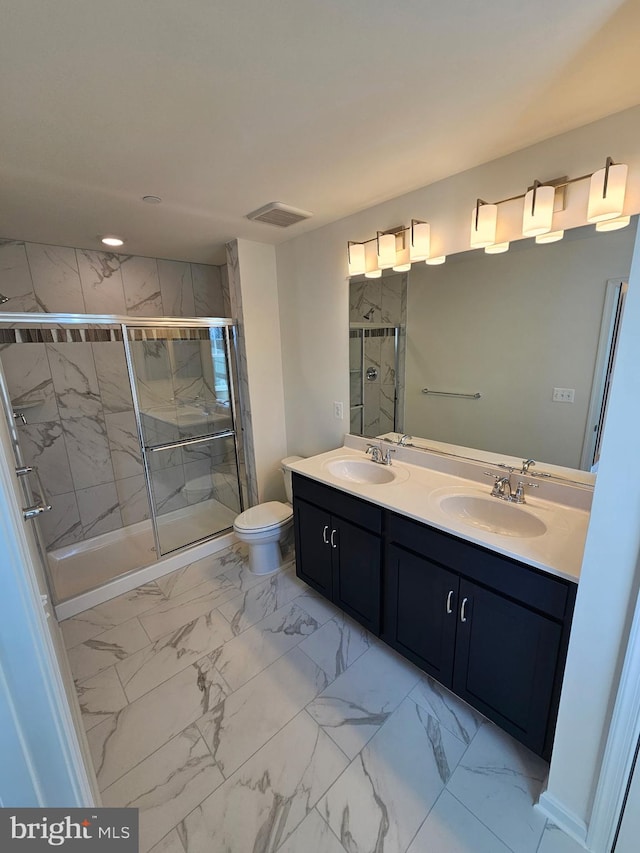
(519, 494)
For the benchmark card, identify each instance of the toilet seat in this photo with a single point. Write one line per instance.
(263, 517)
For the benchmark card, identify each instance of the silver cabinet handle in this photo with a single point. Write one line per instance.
(324, 534)
(29, 512)
(463, 606)
(333, 533)
(449, 597)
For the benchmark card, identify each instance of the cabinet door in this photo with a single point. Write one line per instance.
(421, 600)
(506, 658)
(313, 549)
(357, 573)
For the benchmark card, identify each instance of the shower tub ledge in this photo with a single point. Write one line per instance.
(130, 548)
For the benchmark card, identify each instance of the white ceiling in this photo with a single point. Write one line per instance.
(332, 106)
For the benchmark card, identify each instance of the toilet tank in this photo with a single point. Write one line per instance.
(286, 473)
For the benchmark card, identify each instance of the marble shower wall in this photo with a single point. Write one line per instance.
(377, 302)
(80, 429)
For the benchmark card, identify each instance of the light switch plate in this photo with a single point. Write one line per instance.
(338, 410)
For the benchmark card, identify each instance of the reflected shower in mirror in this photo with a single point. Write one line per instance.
(529, 330)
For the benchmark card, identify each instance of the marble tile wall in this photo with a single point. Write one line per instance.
(378, 301)
(80, 429)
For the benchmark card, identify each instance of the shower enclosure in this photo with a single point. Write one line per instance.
(126, 431)
(375, 396)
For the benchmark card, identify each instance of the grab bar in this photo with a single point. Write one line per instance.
(29, 512)
(475, 396)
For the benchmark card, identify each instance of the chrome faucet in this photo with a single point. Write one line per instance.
(502, 488)
(527, 463)
(404, 440)
(378, 455)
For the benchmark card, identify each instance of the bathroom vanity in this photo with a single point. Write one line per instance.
(485, 611)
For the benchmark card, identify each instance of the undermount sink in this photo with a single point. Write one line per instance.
(493, 515)
(361, 471)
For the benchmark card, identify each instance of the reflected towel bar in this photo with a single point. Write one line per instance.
(475, 396)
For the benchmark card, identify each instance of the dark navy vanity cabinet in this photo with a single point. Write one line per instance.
(491, 629)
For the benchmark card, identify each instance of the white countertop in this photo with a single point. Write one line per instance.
(418, 490)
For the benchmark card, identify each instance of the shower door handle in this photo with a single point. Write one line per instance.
(29, 512)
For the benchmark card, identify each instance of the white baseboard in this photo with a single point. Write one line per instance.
(130, 581)
(564, 819)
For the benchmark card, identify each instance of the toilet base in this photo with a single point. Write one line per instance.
(264, 558)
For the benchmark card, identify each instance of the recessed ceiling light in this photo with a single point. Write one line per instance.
(151, 199)
(112, 240)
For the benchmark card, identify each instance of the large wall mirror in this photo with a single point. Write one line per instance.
(473, 352)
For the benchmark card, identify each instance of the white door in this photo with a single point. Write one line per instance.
(40, 723)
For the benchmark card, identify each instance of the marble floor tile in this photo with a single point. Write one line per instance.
(264, 598)
(317, 607)
(166, 786)
(499, 780)
(453, 713)
(258, 807)
(131, 735)
(382, 798)
(98, 619)
(554, 840)
(352, 709)
(170, 844)
(451, 828)
(250, 716)
(175, 612)
(249, 653)
(203, 570)
(144, 670)
(337, 645)
(100, 696)
(312, 836)
(105, 650)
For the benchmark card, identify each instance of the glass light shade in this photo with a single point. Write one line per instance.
(403, 261)
(613, 224)
(538, 221)
(371, 268)
(419, 241)
(550, 237)
(483, 232)
(386, 251)
(497, 248)
(436, 261)
(600, 208)
(355, 255)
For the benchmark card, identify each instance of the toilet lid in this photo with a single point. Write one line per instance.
(263, 515)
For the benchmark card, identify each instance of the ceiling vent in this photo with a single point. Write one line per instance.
(276, 213)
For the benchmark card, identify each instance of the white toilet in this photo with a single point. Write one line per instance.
(263, 526)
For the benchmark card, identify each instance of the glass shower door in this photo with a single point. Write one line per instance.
(185, 415)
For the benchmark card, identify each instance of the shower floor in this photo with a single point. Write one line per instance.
(83, 566)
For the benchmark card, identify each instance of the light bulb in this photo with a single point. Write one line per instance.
(386, 251)
(112, 240)
(355, 256)
(419, 240)
(607, 204)
(538, 215)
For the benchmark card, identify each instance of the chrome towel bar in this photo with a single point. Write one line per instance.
(475, 396)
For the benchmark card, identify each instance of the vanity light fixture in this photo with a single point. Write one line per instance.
(419, 240)
(484, 218)
(606, 192)
(355, 254)
(403, 258)
(112, 240)
(613, 224)
(538, 209)
(436, 260)
(550, 237)
(371, 268)
(497, 248)
(386, 250)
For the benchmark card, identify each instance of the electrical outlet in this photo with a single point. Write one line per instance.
(338, 411)
(563, 395)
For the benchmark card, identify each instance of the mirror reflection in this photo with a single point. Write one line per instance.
(531, 331)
